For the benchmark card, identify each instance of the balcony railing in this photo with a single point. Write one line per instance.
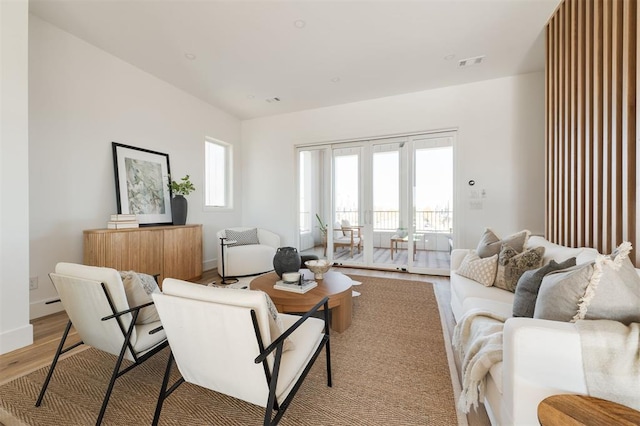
(389, 220)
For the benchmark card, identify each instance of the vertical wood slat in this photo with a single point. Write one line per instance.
(591, 187)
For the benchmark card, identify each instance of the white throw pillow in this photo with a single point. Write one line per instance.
(478, 269)
(138, 289)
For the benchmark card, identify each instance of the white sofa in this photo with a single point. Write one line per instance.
(249, 259)
(540, 357)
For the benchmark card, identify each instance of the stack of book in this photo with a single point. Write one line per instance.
(123, 221)
(295, 287)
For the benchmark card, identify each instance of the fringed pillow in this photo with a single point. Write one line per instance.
(607, 288)
(511, 265)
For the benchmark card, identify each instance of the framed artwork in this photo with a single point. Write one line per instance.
(142, 176)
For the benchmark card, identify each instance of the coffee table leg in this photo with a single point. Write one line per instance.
(341, 314)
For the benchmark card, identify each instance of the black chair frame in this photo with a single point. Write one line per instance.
(126, 333)
(272, 378)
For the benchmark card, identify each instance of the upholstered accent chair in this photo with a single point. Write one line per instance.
(345, 235)
(96, 303)
(231, 341)
(252, 253)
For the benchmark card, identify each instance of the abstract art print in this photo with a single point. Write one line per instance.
(142, 178)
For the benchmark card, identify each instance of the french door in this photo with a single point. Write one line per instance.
(383, 203)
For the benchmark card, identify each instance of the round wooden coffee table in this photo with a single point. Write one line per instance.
(585, 410)
(335, 285)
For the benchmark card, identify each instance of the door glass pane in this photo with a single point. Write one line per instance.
(433, 201)
(347, 189)
(386, 191)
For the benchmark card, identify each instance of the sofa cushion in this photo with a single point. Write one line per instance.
(490, 244)
(526, 293)
(561, 291)
(561, 253)
(511, 265)
(464, 288)
(242, 238)
(614, 292)
(488, 305)
(477, 269)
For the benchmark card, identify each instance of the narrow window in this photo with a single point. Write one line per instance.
(217, 173)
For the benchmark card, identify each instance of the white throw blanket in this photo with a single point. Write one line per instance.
(611, 360)
(478, 340)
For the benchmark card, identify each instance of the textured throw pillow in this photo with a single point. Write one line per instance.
(276, 328)
(524, 301)
(242, 238)
(511, 265)
(138, 289)
(490, 244)
(561, 291)
(477, 269)
(615, 294)
(607, 288)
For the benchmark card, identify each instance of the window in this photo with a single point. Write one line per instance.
(217, 174)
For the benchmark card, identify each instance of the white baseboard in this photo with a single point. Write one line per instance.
(41, 308)
(209, 264)
(16, 339)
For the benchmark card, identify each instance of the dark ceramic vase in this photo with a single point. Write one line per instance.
(179, 210)
(286, 259)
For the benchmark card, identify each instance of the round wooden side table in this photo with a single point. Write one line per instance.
(584, 410)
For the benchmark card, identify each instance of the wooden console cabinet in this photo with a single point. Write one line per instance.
(169, 251)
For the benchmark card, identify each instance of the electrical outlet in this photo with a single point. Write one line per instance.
(33, 283)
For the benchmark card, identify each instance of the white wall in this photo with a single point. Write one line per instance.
(81, 100)
(15, 330)
(500, 145)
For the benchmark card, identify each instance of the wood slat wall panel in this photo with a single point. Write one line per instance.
(591, 124)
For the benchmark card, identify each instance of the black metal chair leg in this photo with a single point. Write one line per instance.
(163, 390)
(327, 350)
(53, 364)
(116, 369)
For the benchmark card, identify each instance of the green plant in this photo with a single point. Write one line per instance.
(184, 187)
(322, 226)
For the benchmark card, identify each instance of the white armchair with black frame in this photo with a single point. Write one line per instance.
(100, 309)
(234, 342)
(247, 251)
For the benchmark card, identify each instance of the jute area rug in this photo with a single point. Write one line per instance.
(389, 368)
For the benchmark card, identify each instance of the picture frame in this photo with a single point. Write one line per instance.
(142, 178)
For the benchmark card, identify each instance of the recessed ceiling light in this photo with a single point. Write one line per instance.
(335, 80)
(251, 96)
(299, 23)
(190, 56)
(449, 57)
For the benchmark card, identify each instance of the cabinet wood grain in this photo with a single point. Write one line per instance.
(167, 251)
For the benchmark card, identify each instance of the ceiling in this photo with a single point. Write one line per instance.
(309, 54)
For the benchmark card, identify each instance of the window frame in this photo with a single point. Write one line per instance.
(228, 173)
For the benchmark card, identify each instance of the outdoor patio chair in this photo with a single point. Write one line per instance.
(229, 340)
(96, 303)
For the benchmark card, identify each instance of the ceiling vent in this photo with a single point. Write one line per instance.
(272, 100)
(468, 62)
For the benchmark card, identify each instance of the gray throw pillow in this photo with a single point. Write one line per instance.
(561, 291)
(242, 238)
(617, 295)
(511, 265)
(490, 244)
(524, 301)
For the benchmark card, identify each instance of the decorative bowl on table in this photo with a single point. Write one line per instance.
(318, 267)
